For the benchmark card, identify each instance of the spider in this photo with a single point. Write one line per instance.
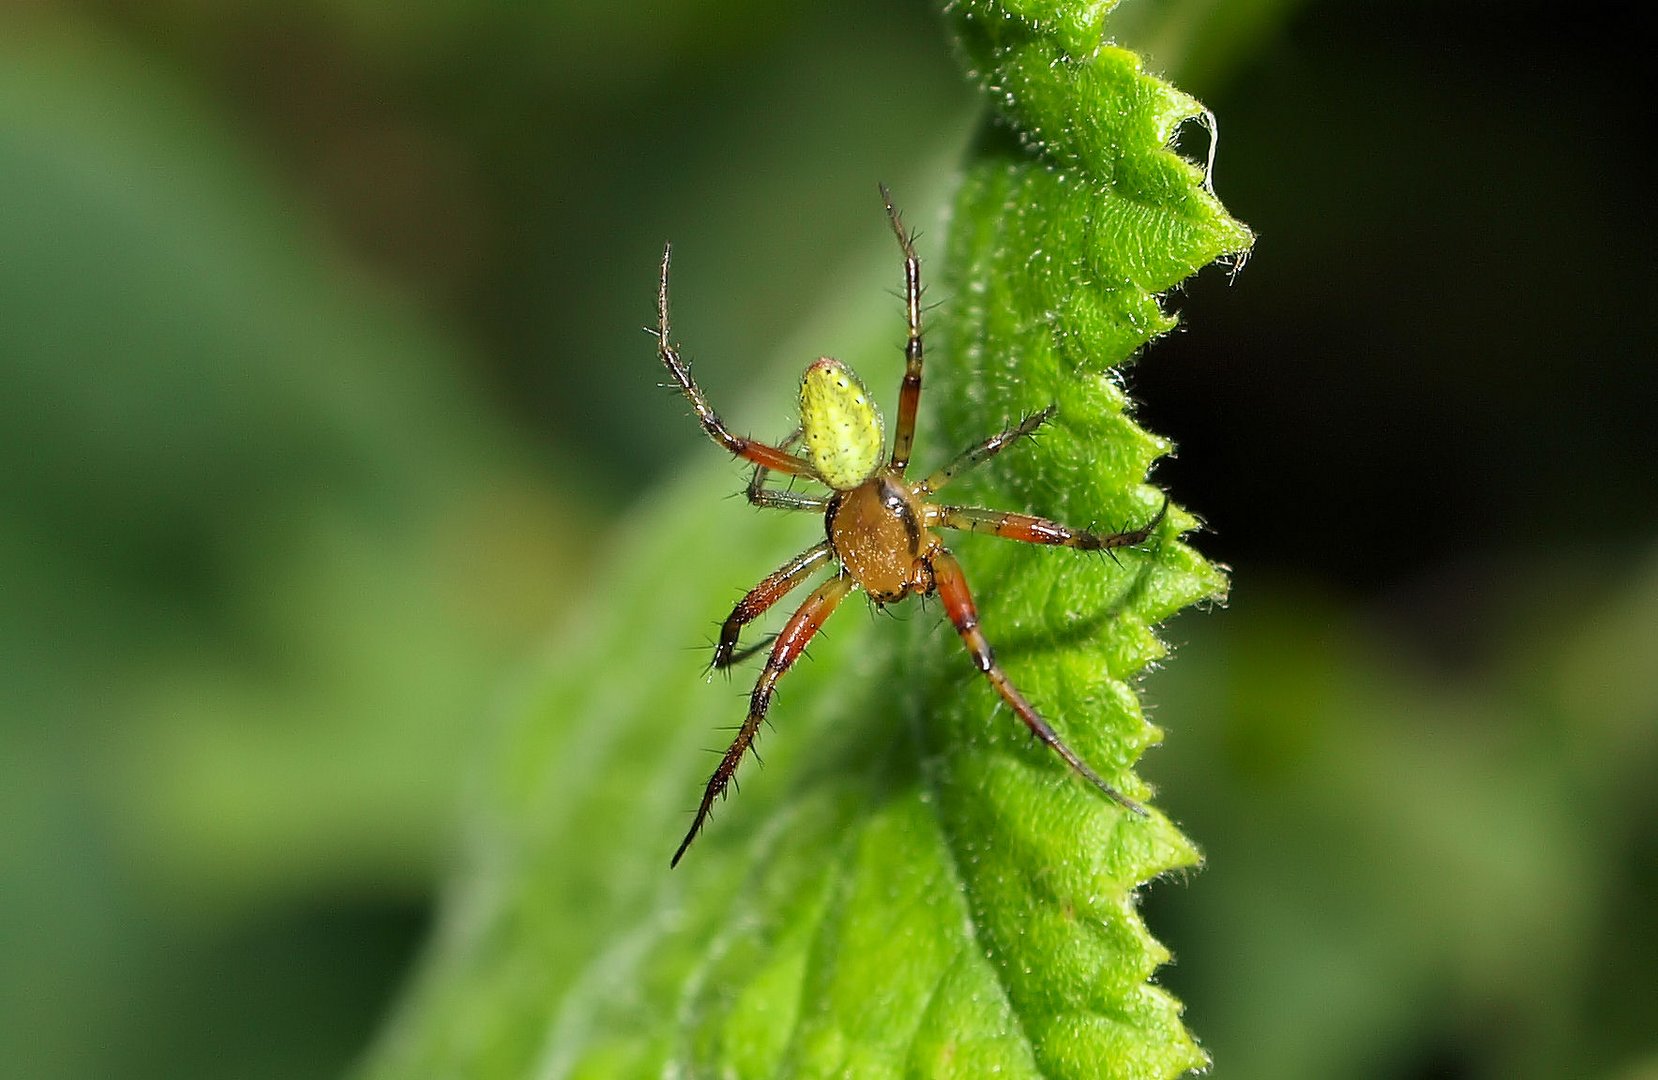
(878, 525)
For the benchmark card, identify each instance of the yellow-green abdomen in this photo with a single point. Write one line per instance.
(840, 425)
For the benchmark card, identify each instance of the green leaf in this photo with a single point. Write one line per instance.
(911, 885)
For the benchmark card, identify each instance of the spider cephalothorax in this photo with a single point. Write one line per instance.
(878, 525)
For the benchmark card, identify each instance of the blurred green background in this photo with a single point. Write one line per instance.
(323, 394)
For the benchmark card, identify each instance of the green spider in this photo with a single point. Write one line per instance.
(878, 525)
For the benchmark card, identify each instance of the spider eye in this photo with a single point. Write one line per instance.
(840, 425)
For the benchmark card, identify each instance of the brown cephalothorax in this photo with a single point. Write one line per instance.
(878, 525)
(877, 532)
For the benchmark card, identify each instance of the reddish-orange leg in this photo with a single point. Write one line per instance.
(802, 626)
(909, 391)
(760, 599)
(762, 454)
(958, 604)
(1029, 529)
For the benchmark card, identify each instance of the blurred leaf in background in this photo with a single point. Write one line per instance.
(319, 388)
(266, 550)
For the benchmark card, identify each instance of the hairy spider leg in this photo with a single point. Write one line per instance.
(958, 604)
(909, 391)
(772, 499)
(981, 452)
(802, 626)
(763, 454)
(776, 585)
(1029, 529)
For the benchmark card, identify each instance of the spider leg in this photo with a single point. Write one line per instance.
(984, 451)
(791, 642)
(759, 495)
(787, 500)
(763, 454)
(752, 649)
(776, 585)
(958, 603)
(1029, 529)
(909, 391)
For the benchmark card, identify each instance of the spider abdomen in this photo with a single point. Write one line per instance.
(839, 425)
(876, 532)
